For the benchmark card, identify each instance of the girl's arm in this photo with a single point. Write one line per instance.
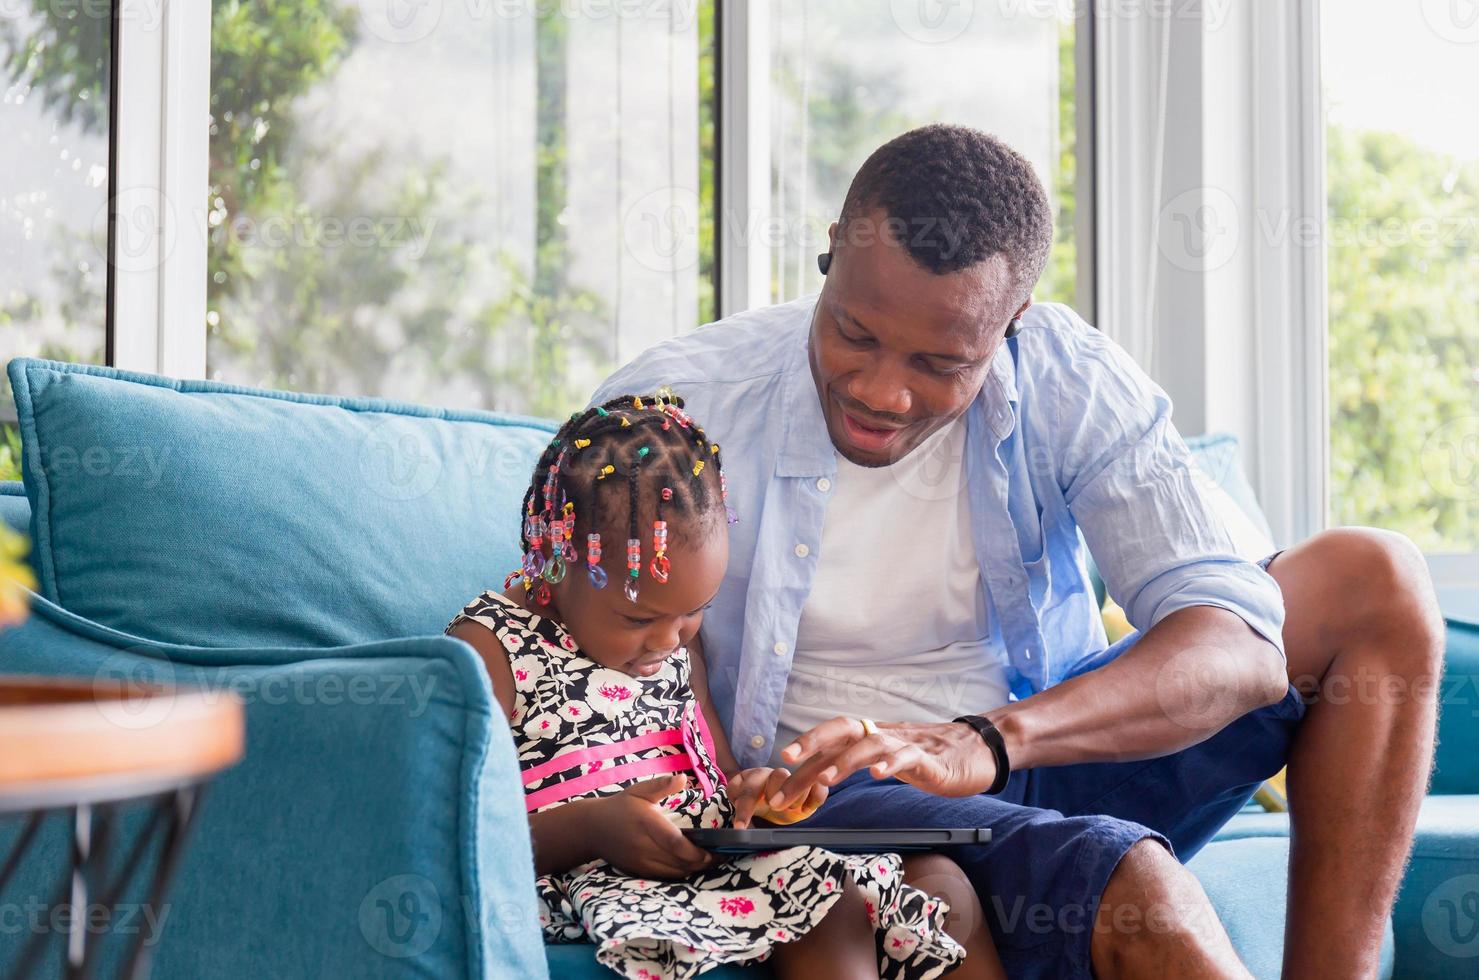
(699, 681)
(638, 838)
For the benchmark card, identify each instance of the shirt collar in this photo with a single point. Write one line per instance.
(999, 396)
(807, 450)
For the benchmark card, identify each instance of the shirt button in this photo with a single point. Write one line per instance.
(802, 551)
(781, 649)
(824, 484)
(757, 740)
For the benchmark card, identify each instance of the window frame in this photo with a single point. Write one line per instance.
(743, 258)
(160, 169)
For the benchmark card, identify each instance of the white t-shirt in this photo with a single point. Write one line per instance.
(895, 627)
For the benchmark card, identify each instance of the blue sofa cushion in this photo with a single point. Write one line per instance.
(209, 514)
(1247, 882)
(1437, 915)
(374, 828)
(15, 509)
(1456, 768)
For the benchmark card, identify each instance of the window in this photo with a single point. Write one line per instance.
(473, 204)
(55, 76)
(456, 203)
(1402, 174)
(848, 76)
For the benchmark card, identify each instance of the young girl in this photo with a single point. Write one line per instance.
(593, 658)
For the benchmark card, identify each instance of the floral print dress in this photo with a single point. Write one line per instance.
(583, 730)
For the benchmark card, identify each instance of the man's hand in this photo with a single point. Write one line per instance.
(635, 835)
(945, 758)
(750, 792)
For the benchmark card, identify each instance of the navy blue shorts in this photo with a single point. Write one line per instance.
(1058, 832)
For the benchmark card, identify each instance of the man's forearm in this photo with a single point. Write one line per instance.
(1189, 676)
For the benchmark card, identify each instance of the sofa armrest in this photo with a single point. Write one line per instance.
(1456, 767)
(375, 826)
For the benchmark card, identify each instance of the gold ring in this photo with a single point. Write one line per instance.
(869, 728)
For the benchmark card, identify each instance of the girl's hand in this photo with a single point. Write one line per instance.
(635, 835)
(750, 790)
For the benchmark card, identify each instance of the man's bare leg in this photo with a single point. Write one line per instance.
(1154, 920)
(1364, 635)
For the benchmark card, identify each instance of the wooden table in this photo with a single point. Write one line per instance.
(86, 747)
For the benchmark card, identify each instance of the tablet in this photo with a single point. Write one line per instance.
(728, 840)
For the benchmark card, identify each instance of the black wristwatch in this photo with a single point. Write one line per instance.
(998, 745)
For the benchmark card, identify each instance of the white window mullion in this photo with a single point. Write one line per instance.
(185, 178)
(740, 227)
(159, 197)
(138, 224)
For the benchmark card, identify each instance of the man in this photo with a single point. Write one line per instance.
(957, 589)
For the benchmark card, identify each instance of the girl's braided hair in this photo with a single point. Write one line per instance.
(627, 451)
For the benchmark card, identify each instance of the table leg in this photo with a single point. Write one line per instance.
(186, 805)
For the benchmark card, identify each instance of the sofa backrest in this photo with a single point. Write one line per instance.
(15, 509)
(209, 514)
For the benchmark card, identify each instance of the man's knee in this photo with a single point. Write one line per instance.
(1387, 596)
(1150, 899)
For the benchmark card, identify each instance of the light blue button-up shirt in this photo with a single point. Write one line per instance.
(1066, 435)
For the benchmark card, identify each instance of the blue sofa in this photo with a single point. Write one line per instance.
(303, 552)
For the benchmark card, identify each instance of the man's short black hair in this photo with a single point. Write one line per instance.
(959, 196)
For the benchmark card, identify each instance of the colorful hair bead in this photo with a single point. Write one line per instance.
(729, 515)
(634, 568)
(554, 570)
(593, 561)
(582, 443)
(606, 471)
(698, 467)
(660, 565)
(543, 595)
(568, 551)
(534, 557)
